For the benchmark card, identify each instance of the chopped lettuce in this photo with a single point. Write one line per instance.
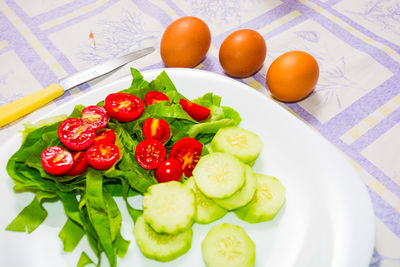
(88, 199)
(30, 127)
(29, 218)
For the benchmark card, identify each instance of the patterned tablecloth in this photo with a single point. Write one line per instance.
(356, 104)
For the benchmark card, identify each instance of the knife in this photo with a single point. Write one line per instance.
(15, 110)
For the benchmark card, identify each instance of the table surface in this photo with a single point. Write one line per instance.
(355, 104)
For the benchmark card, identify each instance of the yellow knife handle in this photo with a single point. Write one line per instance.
(21, 107)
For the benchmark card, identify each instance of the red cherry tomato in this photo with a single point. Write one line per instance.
(150, 153)
(123, 107)
(196, 111)
(154, 97)
(169, 170)
(56, 160)
(156, 128)
(102, 156)
(80, 164)
(106, 136)
(187, 151)
(75, 134)
(95, 116)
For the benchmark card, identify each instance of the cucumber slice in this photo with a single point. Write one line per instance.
(267, 201)
(169, 208)
(161, 247)
(243, 144)
(206, 209)
(244, 195)
(219, 175)
(228, 245)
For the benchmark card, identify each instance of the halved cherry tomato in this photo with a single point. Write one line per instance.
(80, 164)
(75, 134)
(95, 116)
(102, 156)
(196, 111)
(154, 97)
(156, 128)
(150, 153)
(106, 136)
(56, 160)
(187, 151)
(169, 170)
(123, 107)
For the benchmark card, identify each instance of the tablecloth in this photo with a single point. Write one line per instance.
(355, 104)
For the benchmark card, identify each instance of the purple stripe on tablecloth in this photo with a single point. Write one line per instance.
(365, 140)
(372, 100)
(369, 167)
(60, 11)
(63, 60)
(81, 17)
(43, 38)
(347, 37)
(256, 23)
(154, 11)
(211, 63)
(25, 52)
(178, 10)
(284, 27)
(261, 78)
(333, 2)
(158, 65)
(5, 49)
(43, 76)
(329, 7)
(58, 55)
(386, 213)
(326, 3)
(364, 106)
(352, 152)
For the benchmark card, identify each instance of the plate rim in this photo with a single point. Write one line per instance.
(170, 71)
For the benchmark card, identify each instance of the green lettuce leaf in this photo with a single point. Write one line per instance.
(30, 127)
(84, 260)
(29, 218)
(70, 235)
(99, 214)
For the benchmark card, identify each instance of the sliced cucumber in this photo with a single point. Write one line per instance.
(169, 207)
(228, 245)
(161, 247)
(219, 175)
(267, 201)
(207, 210)
(244, 144)
(244, 195)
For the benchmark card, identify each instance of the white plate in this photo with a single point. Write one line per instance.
(327, 219)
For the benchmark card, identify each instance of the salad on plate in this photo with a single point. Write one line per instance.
(190, 160)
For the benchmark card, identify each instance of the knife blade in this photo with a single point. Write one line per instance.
(23, 106)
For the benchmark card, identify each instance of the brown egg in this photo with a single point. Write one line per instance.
(242, 53)
(185, 42)
(292, 76)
